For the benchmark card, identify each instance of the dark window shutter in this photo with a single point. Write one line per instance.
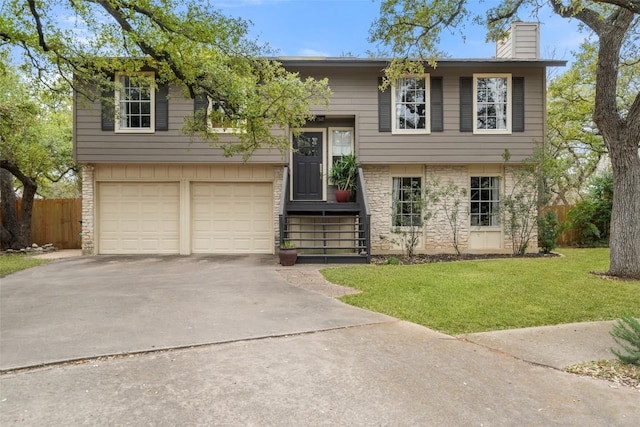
(201, 103)
(108, 109)
(466, 104)
(384, 108)
(437, 119)
(517, 104)
(162, 107)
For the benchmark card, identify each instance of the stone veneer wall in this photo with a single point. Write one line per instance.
(510, 173)
(437, 232)
(377, 182)
(88, 226)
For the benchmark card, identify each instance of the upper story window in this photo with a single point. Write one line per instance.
(492, 103)
(219, 116)
(485, 201)
(410, 111)
(135, 103)
(406, 196)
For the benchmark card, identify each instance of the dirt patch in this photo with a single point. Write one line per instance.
(611, 370)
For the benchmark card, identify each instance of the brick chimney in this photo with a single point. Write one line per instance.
(521, 42)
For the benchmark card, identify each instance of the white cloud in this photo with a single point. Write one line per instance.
(312, 52)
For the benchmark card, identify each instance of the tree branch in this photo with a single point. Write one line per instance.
(631, 5)
(507, 14)
(586, 15)
(15, 171)
(36, 17)
(117, 14)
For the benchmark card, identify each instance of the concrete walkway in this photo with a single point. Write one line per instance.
(254, 350)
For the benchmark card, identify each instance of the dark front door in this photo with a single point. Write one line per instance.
(307, 166)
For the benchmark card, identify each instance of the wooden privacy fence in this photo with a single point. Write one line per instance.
(56, 221)
(569, 237)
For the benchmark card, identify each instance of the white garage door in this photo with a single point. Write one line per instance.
(231, 217)
(139, 218)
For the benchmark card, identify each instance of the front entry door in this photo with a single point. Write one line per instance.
(307, 166)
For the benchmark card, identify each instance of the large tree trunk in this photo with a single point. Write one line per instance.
(9, 213)
(625, 215)
(15, 232)
(622, 136)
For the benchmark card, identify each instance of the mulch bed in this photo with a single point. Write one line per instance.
(428, 259)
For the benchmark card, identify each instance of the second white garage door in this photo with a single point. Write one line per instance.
(231, 217)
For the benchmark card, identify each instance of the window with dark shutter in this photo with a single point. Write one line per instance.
(517, 99)
(437, 110)
(466, 104)
(108, 114)
(384, 108)
(162, 107)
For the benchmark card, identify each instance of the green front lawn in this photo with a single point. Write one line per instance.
(12, 263)
(475, 296)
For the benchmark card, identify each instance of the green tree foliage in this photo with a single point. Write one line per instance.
(412, 29)
(187, 43)
(35, 151)
(591, 216)
(575, 149)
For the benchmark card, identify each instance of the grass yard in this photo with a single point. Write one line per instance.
(12, 263)
(477, 296)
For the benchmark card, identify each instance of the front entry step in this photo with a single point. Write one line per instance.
(332, 259)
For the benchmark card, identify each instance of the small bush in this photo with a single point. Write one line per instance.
(548, 231)
(392, 261)
(626, 332)
(591, 216)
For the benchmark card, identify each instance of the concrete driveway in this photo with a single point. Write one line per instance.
(201, 341)
(94, 306)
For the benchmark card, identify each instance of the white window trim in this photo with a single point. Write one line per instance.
(500, 195)
(427, 98)
(217, 129)
(152, 100)
(391, 217)
(329, 155)
(475, 104)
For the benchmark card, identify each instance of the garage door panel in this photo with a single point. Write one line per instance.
(232, 217)
(139, 218)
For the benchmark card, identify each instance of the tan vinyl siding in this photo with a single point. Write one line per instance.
(355, 92)
(521, 42)
(92, 145)
(503, 48)
(355, 97)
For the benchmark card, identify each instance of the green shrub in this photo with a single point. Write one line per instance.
(392, 261)
(548, 231)
(626, 332)
(591, 216)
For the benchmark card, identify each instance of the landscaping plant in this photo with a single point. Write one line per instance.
(519, 205)
(591, 216)
(448, 199)
(626, 332)
(548, 231)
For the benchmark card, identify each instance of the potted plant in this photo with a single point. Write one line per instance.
(288, 253)
(343, 175)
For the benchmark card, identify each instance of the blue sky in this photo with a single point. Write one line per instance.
(337, 27)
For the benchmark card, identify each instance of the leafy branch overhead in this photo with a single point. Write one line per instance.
(189, 44)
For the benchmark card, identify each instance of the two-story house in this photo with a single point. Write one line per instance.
(148, 189)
